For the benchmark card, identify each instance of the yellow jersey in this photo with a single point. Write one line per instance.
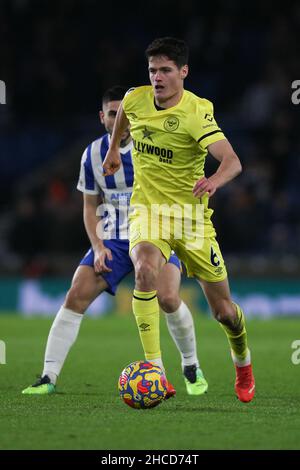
(170, 147)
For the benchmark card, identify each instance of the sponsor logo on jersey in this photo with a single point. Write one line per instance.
(144, 327)
(165, 155)
(122, 197)
(132, 116)
(209, 125)
(219, 271)
(208, 116)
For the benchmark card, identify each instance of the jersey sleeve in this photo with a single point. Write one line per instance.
(87, 182)
(203, 127)
(128, 102)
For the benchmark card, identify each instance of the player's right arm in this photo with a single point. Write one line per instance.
(91, 220)
(112, 160)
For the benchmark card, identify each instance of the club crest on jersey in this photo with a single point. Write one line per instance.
(171, 123)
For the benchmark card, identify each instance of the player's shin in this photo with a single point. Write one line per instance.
(146, 310)
(237, 338)
(61, 337)
(181, 327)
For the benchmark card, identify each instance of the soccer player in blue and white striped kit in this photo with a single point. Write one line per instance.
(108, 262)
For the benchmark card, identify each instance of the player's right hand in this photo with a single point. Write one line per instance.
(112, 162)
(100, 256)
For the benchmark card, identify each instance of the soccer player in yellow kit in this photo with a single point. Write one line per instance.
(173, 130)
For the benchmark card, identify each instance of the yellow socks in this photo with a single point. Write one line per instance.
(146, 310)
(238, 339)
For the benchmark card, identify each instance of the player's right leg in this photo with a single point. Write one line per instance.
(148, 260)
(86, 286)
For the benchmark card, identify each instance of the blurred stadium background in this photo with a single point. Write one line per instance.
(58, 57)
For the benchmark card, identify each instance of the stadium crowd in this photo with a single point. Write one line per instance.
(58, 59)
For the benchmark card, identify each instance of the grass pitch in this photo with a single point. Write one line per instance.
(87, 413)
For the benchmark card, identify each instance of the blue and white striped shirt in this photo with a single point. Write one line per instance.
(115, 189)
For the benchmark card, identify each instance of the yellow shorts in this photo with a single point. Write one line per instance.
(206, 263)
(203, 258)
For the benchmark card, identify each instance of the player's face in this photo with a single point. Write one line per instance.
(108, 116)
(166, 78)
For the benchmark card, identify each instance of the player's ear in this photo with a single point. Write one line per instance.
(184, 72)
(101, 116)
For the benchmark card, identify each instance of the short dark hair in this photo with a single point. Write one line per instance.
(115, 93)
(173, 48)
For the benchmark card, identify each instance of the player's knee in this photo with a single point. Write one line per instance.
(76, 299)
(146, 274)
(224, 312)
(168, 301)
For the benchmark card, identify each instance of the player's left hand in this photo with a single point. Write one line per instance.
(205, 185)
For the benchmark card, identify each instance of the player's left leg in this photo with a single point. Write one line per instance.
(181, 327)
(232, 320)
(207, 265)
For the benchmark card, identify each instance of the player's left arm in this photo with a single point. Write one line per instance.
(230, 166)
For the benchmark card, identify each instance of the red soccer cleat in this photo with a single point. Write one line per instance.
(244, 383)
(171, 392)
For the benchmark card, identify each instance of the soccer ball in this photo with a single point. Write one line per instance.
(142, 385)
